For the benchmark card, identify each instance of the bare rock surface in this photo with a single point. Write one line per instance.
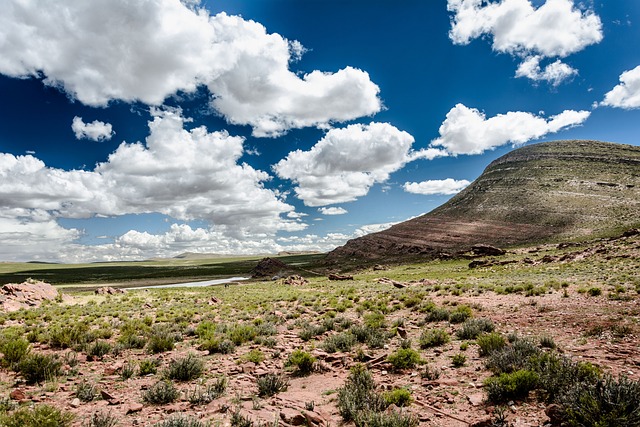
(14, 296)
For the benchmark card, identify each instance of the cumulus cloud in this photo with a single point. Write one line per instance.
(436, 186)
(333, 211)
(554, 73)
(557, 28)
(147, 51)
(347, 162)
(627, 93)
(468, 131)
(187, 175)
(95, 131)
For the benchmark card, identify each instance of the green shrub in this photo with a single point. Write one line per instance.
(241, 334)
(271, 384)
(215, 344)
(132, 341)
(605, 403)
(99, 349)
(460, 314)
(148, 367)
(404, 358)
(558, 374)
(547, 342)
(513, 357)
(512, 386)
(398, 396)
(472, 328)
(386, 419)
(159, 343)
(202, 396)
(594, 291)
(302, 361)
(36, 368)
(181, 421)
(76, 335)
(375, 321)
(101, 419)
(437, 314)
(458, 360)
(86, 391)
(489, 343)
(161, 393)
(187, 368)
(339, 342)
(38, 416)
(255, 356)
(358, 395)
(13, 351)
(128, 370)
(434, 338)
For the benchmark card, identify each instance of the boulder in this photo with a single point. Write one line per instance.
(487, 250)
(15, 296)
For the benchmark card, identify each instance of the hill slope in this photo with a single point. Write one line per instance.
(553, 191)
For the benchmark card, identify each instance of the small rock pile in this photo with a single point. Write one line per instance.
(108, 290)
(269, 267)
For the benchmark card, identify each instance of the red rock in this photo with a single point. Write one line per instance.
(18, 394)
(292, 417)
(132, 408)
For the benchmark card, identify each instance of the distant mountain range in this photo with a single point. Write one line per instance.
(546, 192)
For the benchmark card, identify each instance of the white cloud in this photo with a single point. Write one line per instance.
(333, 211)
(187, 175)
(436, 186)
(468, 131)
(346, 162)
(95, 131)
(158, 48)
(554, 73)
(627, 93)
(554, 29)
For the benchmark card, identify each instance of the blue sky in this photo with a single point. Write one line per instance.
(135, 129)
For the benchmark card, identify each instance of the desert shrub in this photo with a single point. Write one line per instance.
(101, 419)
(185, 369)
(202, 396)
(240, 334)
(148, 367)
(606, 403)
(472, 328)
(239, 420)
(132, 341)
(558, 374)
(594, 291)
(13, 351)
(38, 416)
(437, 314)
(458, 360)
(128, 370)
(181, 421)
(359, 395)
(547, 341)
(309, 331)
(76, 335)
(215, 344)
(302, 362)
(513, 357)
(374, 338)
(386, 419)
(271, 384)
(159, 343)
(460, 314)
(489, 343)
(36, 368)
(430, 373)
(86, 391)
(375, 321)
(512, 386)
(404, 358)
(255, 356)
(433, 338)
(99, 349)
(161, 393)
(339, 342)
(398, 396)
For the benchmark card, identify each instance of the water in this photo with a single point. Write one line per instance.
(196, 284)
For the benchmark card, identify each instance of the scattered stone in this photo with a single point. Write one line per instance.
(379, 267)
(487, 250)
(487, 422)
(75, 403)
(296, 280)
(132, 408)
(476, 399)
(554, 412)
(18, 394)
(108, 290)
(334, 276)
(292, 417)
(387, 281)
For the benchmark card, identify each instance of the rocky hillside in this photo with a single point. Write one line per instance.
(552, 191)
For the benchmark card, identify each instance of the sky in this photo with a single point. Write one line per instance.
(134, 129)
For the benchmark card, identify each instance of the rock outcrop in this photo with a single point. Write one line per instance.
(14, 296)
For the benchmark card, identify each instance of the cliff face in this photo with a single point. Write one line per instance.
(553, 191)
